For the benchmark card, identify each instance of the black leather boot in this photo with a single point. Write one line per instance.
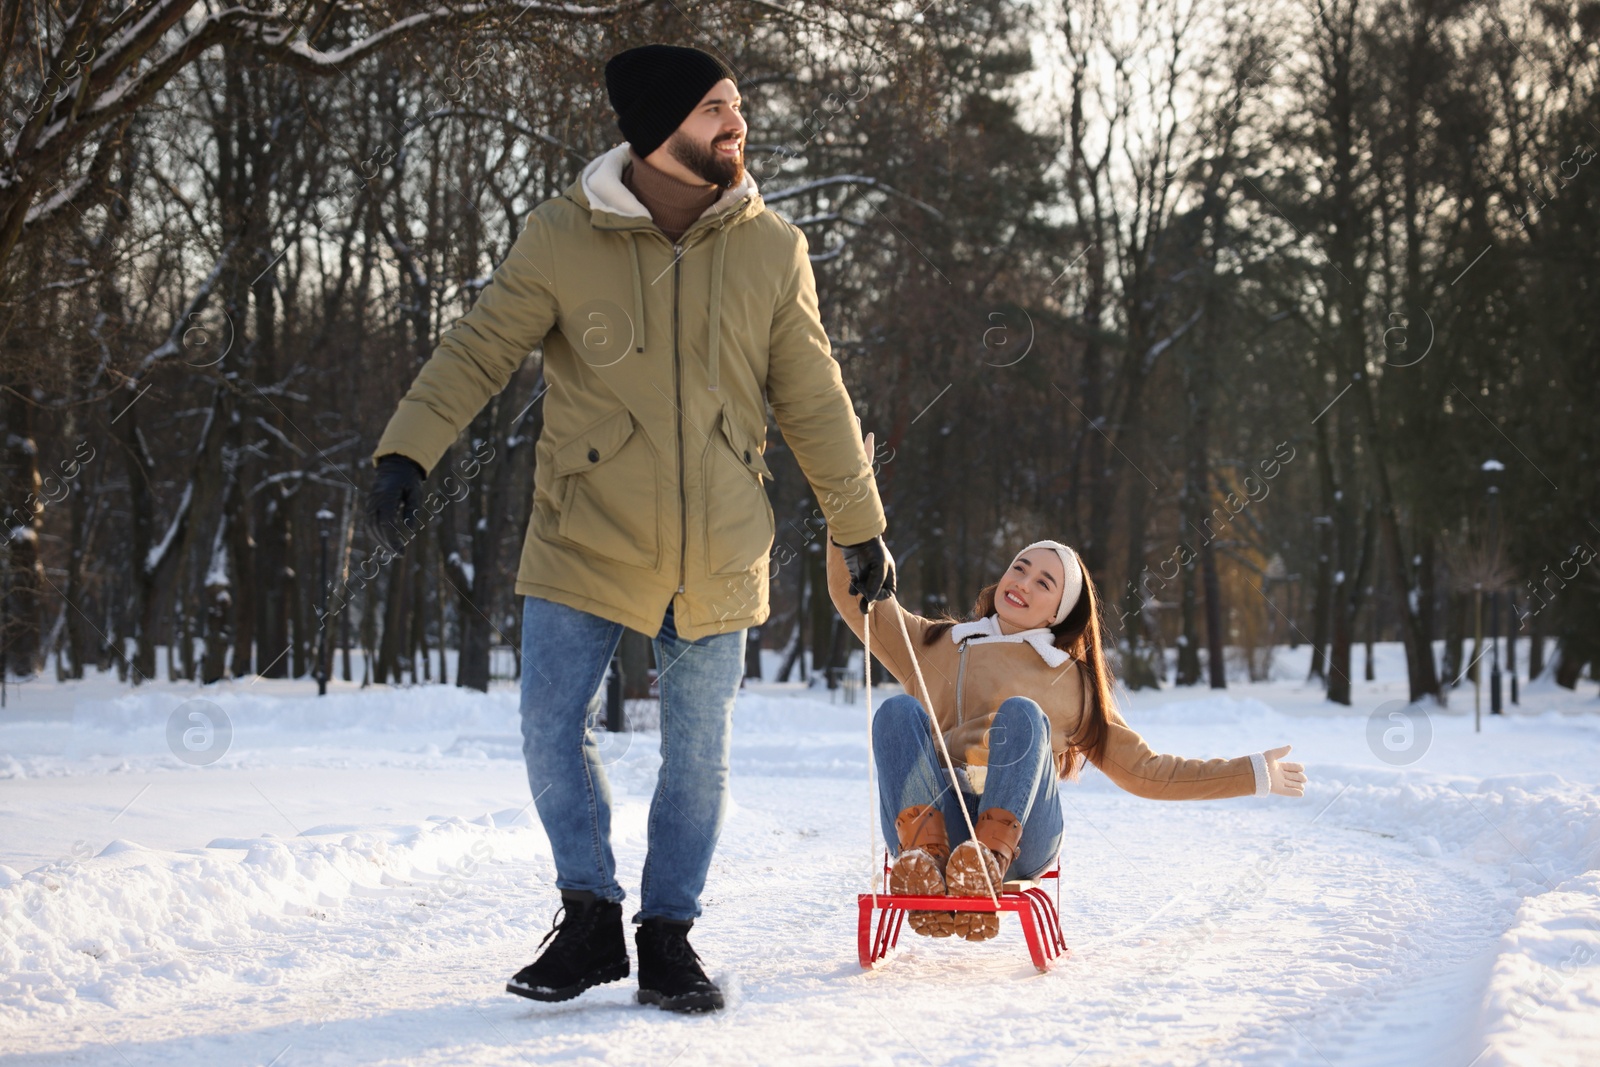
(588, 949)
(669, 970)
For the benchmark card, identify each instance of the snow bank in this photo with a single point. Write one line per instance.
(1544, 992)
(131, 922)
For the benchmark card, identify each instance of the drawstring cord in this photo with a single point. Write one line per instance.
(716, 305)
(638, 295)
(718, 254)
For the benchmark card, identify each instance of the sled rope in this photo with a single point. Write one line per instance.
(927, 706)
(872, 789)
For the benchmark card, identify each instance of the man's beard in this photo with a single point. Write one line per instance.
(706, 162)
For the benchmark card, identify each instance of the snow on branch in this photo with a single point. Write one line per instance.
(505, 120)
(171, 346)
(849, 179)
(157, 556)
(158, 551)
(1153, 353)
(63, 196)
(110, 93)
(281, 44)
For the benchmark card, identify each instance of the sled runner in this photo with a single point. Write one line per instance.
(1039, 915)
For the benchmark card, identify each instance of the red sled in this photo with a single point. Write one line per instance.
(1040, 916)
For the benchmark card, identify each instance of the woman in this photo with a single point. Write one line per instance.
(1023, 696)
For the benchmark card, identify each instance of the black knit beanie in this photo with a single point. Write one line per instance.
(654, 87)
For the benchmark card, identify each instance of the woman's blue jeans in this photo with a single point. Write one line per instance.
(565, 653)
(1021, 777)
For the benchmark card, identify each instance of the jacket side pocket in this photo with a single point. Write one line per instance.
(608, 492)
(738, 516)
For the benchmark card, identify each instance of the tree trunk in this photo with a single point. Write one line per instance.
(1215, 628)
(1322, 597)
(636, 652)
(1427, 603)
(1573, 654)
(220, 607)
(1196, 491)
(81, 638)
(821, 611)
(1511, 643)
(370, 610)
(24, 584)
(345, 671)
(421, 658)
(1536, 647)
(439, 615)
(392, 645)
(272, 565)
(752, 653)
(838, 650)
(1355, 563)
(1339, 654)
(1455, 635)
(296, 605)
(1370, 673)
(797, 649)
(1188, 672)
(1136, 667)
(219, 625)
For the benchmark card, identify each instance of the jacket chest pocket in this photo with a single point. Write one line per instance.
(609, 491)
(739, 520)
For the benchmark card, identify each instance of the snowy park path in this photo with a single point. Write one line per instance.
(1199, 934)
(1384, 918)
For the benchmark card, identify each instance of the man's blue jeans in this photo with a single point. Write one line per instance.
(564, 657)
(1021, 777)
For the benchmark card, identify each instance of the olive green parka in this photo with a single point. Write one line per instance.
(659, 362)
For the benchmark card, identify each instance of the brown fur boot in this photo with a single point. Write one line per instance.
(997, 834)
(918, 868)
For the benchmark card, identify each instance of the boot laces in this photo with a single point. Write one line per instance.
(678, 950)
(568, 928)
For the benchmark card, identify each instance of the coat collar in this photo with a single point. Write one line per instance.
(987, 630)
(614, 206)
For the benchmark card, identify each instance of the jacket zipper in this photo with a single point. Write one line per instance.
(677, 387)
(961, 673)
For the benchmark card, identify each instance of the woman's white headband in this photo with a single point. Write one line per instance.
(1072, 576)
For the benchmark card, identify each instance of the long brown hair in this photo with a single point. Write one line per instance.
(1078, 635)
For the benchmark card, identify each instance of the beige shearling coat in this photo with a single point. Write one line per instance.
(967, 685)
(660, 361)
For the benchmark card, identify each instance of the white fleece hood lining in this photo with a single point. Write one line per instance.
(602, 184)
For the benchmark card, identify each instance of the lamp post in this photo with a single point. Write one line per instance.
(324, 520)
(1491, 471)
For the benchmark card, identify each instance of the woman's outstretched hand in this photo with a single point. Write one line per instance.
(1288, 779)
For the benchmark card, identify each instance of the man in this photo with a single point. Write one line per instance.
(672, 307)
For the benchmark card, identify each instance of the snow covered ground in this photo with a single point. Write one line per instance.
(352, 878)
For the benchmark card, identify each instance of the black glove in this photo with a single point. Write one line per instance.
(871, 570)
(393, 501)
